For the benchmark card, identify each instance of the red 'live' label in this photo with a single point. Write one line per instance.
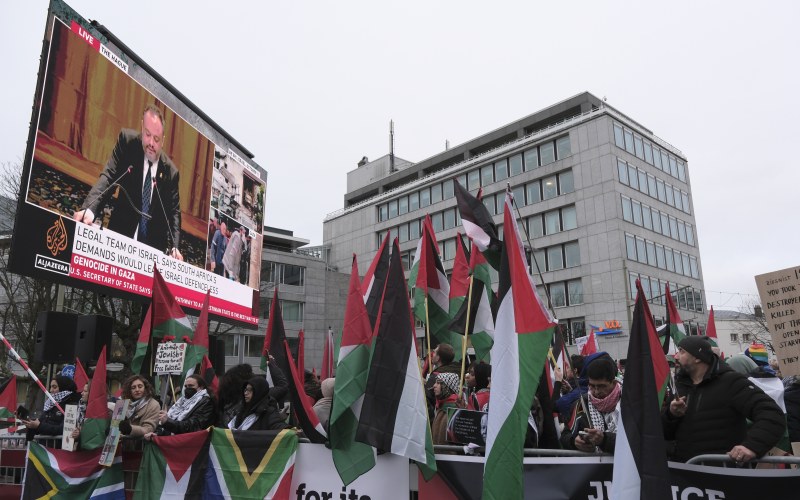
(88, 37)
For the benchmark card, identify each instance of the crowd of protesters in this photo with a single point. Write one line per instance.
(737, 406)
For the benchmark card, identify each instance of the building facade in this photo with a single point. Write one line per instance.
(604, 200)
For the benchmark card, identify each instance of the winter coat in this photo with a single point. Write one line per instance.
(265, 408)
(201, 417)
(51, 422)
(791, 397)
(717, 412)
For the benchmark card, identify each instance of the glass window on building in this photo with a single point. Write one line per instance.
(535, 226)
(558, 294)
(689, 234)
(681, 302)
(413, 201)
(651, 253)
(647, 217)
(555, 258)
(681, 171)
(629, 141)
(531, 157)
(474, 180)
(448, 189)
(673, 228)
(682, 231)
(661, 191)
(651, 186)
(678, 199)
(569, 218)
(646, 286)
(638, 146)
(678, 262)
(641, 250)
(402, 205)
(572, 253)
(575, 292)
(655, 291)
(673, 166)
(232, 344)
(622, 170)
(488, 202)
(500, 201)
(383, 212)
(619, 139)
(633, 177)
(519, 195)
(253, 346)
(563, 148)
(413, 230)
(501, 170)
(424, 197)
(533, 192)
(698, 301)
(552, 222)
(632, 277)
(436, 193)
(487, 175)
(627, 211)
(402, 233)
(577, 328)
(648, 152)
(547, 153)
(686, 267)
(669, 256)
(664, 161)
(549, 187)
(664, 224)
(566, 182)
(293, 275)
(462, 179)
(450, 218)
(661, 261)
(438, 222)
(515, 165)
(693, 267)
(540, 261)
(685, 198)
(656, 220)
(630, 246)
(642, 181)
(450, 249)
(637, 212)
(393, 209)
(292, 311)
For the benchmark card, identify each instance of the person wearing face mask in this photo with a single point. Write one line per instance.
(192, 412)
(259, 411)
(142, 416)
(51, 423)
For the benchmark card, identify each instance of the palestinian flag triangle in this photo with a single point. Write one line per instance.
(8, 398)
(173, 466)
(640, 456)
(711, 329)
(251, 464)
(522, 336)
(374, 280)
(168, 316)
(56, 474)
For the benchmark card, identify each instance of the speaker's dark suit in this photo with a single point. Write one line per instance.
(164, 226)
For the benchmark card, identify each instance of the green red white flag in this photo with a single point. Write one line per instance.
(481, 320)
(8, 399)
(95, 425)
(173, 467)
(640, 456)
(711, 329)
(479, 225)
(350, 457)
(198, 347)
(522, 336)
(674, 322)
(375, 280)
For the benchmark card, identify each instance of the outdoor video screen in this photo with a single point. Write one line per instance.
(116, 182)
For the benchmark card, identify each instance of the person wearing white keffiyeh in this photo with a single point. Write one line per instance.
(258, 411)
(51, 422)
(598, 430)
(192, 412)
(143, 410)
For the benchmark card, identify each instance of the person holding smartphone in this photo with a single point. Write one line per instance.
(51, 422)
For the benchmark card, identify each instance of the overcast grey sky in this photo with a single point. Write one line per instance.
(310, 87)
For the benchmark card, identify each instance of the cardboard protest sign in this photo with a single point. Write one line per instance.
(780, 299)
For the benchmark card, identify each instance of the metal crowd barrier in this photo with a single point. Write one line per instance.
(727, 461)
(529, 452)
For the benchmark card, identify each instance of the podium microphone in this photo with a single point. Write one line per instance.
(103, 192)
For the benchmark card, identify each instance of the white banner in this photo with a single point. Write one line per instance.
(315, 477)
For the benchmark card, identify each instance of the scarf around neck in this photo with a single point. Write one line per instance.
(137, 405)
(183, 407)
(59, 396)
(608, 403)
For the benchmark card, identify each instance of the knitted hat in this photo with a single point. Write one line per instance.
(448, 381)
(699, 347)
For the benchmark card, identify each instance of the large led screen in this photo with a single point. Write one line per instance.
(117, 182)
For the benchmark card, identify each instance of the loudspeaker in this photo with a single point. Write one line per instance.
(92, 332)
(216, 354)
(55, 337)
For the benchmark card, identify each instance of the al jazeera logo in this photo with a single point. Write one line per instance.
(56, 241)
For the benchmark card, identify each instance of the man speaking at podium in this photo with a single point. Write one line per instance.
(147, 206)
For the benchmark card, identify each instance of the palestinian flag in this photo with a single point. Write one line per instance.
(199, 345)
(590, 347)
(250, 464)
(328, 363)
(81, 379)
(431, 289)
(141, 344)
(374, 281)
(522, 336)
(675, 324)
(95, 425)
(209, 374)
(478, 225)
(394, 416)
(173, 466)
(273, 340)
(640, 456)
(711, 329)
(8, 399)
(459, 289)
(483, 323)
(302, 405)
(51, 473)
(351, 458)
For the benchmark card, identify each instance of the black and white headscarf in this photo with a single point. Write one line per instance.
(183, 407)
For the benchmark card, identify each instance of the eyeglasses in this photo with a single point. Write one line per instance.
(248, 389)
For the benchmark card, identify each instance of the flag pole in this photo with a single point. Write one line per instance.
(24, 365)
(464, 340)
(428, 335)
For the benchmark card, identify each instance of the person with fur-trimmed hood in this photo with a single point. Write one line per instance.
(713, 403)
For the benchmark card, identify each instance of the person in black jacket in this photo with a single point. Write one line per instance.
(791, 397)
(710, 414)
(192, 412)
(259, 411)
(51, 422)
